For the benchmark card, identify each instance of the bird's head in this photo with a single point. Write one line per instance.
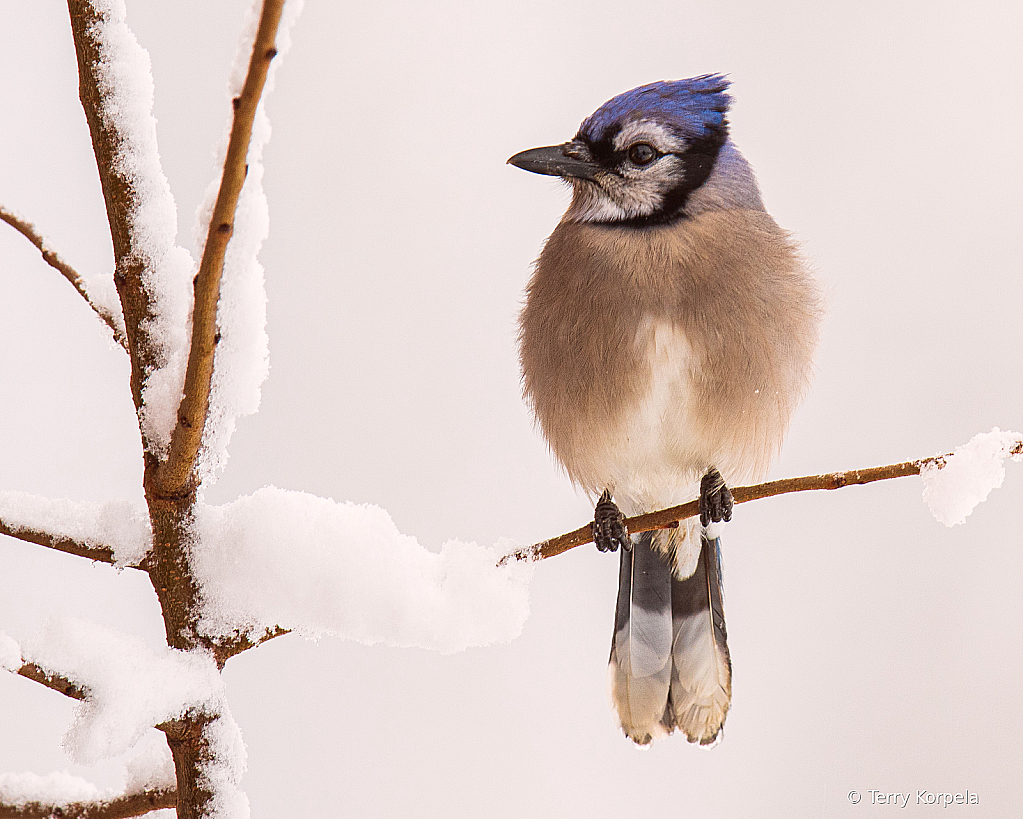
(638, 158)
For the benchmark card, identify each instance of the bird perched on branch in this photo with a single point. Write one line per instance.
(667, 336)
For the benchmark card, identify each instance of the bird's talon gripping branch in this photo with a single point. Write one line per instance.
(715, 499)
(609, 530)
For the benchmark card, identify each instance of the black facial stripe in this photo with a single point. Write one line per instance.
(697, 163)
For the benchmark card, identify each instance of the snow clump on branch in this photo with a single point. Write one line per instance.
(953, 489)
(297, 561)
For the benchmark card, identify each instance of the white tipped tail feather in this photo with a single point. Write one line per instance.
(669, 665)
(640, 666)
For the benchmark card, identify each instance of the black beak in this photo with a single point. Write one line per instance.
(553, 161)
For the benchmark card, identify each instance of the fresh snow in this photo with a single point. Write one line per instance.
(242, 358)
(150, 768)
(10, 653)
(953, 490)
(294, 560)
(131, 686)
(57, 788)
(224, 774)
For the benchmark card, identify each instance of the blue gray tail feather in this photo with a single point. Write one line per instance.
(669, 667)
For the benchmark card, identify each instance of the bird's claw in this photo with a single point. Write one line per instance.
(608, 525)
(715, 499)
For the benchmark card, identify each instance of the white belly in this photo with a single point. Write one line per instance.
(656, 455)
(658, 448)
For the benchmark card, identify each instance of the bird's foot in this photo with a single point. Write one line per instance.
(715, 499)
(608, 525)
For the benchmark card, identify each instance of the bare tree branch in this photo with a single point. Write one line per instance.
(54, 260)
(104, 554)
(58, 683)
(669, 518)
(121, 807)
(176, 472)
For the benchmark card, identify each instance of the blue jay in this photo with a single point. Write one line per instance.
(668, 334)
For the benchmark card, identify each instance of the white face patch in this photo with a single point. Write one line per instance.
(631, 190)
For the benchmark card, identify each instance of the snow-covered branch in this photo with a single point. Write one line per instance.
(347, 571)
(112, 532)
(953, 485)
(150, 272)
(104, 554)
(11, 660)
(109, 316)
(149, 784)
(124, 688)
(118, 807)
(177, 472)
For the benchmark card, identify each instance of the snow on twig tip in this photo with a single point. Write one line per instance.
(954, 485)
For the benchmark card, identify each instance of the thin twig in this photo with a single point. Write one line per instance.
(58, 683)
(54, 260)
(177, 471)
(120, 807)
(669, 518)
(104, 554)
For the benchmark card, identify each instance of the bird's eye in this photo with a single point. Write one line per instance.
(642, 154)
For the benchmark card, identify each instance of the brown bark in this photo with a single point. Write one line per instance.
(62, 544)
(169, 570)
(227, 648)
(58, 683)
(191, 753)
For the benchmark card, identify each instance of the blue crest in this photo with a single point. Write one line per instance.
(694, 107)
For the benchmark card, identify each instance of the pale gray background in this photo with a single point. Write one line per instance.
(873, 647)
